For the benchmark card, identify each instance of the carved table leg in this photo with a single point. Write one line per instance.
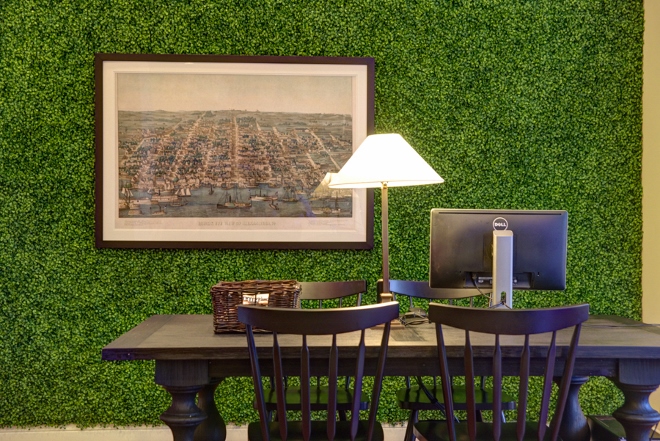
(637, 378)
(183, 379)
(183, 416)
(636, 415)
(574, 426)
(213, 428)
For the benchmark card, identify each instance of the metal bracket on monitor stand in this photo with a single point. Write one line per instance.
(502, 268)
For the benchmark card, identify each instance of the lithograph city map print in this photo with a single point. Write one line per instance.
(232, 155)
(197, 152)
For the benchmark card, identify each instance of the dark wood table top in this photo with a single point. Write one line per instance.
(185, 337)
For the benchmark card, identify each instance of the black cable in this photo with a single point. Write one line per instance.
(474, 283)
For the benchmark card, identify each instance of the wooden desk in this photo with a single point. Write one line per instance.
(191, 360)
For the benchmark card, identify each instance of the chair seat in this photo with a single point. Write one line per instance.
(437, 431)
(414, 398)
(318, 396)
(318, 431)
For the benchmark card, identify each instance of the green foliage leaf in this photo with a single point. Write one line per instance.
(516, 103)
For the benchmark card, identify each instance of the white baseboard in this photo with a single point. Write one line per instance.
(161, 433)
(72, 433)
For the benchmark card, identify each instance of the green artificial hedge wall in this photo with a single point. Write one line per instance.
(524, 104)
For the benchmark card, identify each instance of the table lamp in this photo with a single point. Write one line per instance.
(383, 161)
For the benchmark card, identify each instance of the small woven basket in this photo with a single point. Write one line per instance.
(227, 296)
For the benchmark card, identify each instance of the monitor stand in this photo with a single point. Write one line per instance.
(502, 268)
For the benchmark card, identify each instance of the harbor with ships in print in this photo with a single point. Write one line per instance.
(231, 163)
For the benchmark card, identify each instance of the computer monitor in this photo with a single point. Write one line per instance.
(526, 247)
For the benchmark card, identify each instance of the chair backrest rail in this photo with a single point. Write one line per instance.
(321, 291)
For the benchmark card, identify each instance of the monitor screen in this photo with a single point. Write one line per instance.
(462, 248)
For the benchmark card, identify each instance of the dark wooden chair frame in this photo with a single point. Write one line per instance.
(309, 322)
(321, 292)
(431, 399)
(519, 322)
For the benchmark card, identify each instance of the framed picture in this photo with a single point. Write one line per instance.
(205, 151)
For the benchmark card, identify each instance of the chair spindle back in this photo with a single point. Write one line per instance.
(308, 323)
(511, 322)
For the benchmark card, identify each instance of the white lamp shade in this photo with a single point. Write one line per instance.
(384, 159)
(325, 188)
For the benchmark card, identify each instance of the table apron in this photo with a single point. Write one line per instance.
(418, 366)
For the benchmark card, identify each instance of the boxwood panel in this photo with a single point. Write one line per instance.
(525, 104)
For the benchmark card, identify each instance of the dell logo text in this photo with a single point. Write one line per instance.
(500, 224)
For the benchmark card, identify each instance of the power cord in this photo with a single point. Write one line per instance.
(474, 283)
(502, 304)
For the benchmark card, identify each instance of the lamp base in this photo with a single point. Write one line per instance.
(384, 297)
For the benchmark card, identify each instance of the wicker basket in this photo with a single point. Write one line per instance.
(227, 296)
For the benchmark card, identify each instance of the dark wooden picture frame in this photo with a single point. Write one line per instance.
(214, 151)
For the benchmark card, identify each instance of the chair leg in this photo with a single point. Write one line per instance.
(412, 419)
(342, 415)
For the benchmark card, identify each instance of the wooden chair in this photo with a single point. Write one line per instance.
(502, 323)
(426, 396)
(313, 292)
(310, 323)
(321, 291)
